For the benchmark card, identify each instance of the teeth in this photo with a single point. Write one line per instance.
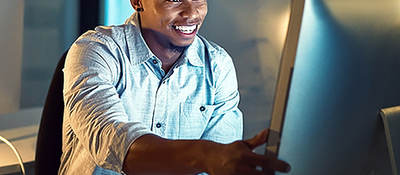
(186, 29)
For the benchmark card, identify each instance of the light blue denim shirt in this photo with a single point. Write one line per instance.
(116, 91)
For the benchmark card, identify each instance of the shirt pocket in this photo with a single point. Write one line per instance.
(193, 119)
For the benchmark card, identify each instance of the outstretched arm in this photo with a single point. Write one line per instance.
(151, 154)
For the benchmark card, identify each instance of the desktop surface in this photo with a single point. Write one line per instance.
(21, 130)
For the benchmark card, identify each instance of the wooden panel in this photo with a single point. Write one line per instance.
(284, 77)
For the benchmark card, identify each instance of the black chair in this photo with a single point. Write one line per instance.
(49, 140)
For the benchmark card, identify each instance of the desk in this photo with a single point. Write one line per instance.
(21, 130)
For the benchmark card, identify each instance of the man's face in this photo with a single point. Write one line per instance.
(173, 22)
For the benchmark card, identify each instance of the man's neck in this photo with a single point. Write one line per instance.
(166, 52)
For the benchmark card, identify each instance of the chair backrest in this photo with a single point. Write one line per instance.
(49, 140)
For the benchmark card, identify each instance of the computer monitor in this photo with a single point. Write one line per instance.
(340, 66)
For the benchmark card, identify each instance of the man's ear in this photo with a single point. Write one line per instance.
(137, 5)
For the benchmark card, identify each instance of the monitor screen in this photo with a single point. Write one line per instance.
(345, 69)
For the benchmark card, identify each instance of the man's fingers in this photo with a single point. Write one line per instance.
(253, 171)
(269, 163)
(277, 165)
(269, 172)
(247, 170)
(257, 140)
(261, 163)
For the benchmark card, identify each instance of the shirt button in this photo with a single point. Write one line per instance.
(155, 61)
(158, 125)
(202, 108)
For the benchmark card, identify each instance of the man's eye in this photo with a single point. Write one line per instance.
(175, 0)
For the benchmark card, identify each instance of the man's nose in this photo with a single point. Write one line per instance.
(190, 11)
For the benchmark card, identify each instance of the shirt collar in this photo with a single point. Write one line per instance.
(138, 49)
(141, 52)
(195, 52)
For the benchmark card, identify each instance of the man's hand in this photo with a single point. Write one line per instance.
(239, 158)
(154, 155)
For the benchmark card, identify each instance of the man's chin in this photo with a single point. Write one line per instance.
(182, 44)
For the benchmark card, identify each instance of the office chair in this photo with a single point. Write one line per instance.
(49, 140)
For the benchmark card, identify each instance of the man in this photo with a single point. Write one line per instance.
(153, 97)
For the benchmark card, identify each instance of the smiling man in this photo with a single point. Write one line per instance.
(153, 97)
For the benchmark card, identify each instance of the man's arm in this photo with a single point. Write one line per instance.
(94, 112)
(154, 155)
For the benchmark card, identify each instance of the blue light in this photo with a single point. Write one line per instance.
(116, 12)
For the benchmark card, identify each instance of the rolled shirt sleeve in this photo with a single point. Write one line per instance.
(94, 113)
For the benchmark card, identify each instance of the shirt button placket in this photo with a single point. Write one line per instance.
(160, 106)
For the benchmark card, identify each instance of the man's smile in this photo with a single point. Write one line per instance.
(176, 23)
(187, 30)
